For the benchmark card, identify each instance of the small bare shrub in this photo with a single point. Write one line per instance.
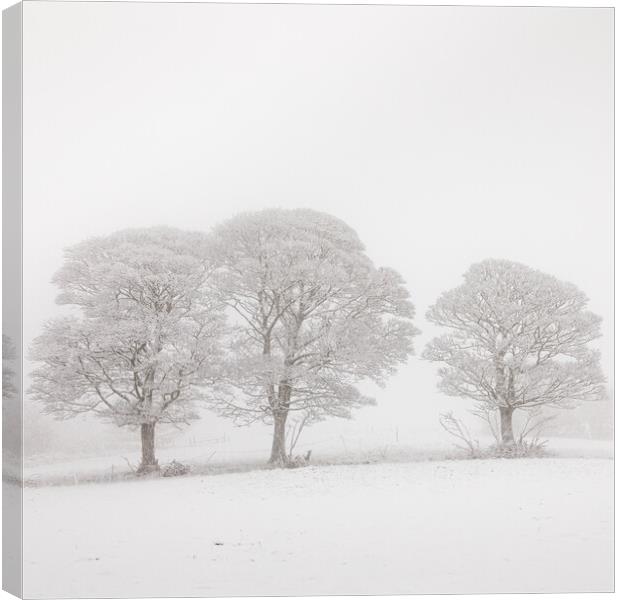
(294, 462)
(175, 469)
(522, 448)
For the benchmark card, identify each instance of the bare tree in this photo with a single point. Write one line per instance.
(145, 337)
(314, 317)
(518, 340)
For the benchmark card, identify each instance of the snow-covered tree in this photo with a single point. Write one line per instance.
(314, 318)
(12, 417)
(518, 340)
(145, 338)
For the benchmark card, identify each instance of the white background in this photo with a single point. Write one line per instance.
(487, 168)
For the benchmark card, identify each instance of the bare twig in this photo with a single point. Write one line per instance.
(458, 429)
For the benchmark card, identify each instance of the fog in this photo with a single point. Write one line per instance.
(443, 136)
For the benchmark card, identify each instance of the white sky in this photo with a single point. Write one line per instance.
(442, 135)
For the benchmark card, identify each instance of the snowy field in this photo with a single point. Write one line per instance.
(243, 450)
(535, 525)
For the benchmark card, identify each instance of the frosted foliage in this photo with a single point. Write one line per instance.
(146, 334)
(313, 316)
(517, 339)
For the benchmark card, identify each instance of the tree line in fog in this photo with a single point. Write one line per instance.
(278, 316)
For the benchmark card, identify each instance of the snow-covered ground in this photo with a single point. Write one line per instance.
(535, 525)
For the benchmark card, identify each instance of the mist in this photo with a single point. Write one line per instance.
(421, 128)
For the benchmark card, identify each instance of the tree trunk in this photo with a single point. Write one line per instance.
(278, 446)
(505, 413)
(149, 463)
(279, 456)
